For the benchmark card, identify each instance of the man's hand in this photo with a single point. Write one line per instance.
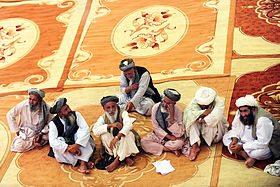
(234, 147)
(170, 108)
(113, 143)
(74, 149)
(173, 138)
(38, 138)
(130, 107)
(117, 124)
(132, 87)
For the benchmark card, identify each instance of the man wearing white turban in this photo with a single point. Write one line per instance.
(204, 116)
(255, 133)
(32, 128)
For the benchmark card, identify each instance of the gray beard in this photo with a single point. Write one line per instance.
(33, 108)
(70, 119)
(163, 109)
(113, 118)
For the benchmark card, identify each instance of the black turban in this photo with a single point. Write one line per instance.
(172, 94)
(58, 104)
(107, 99)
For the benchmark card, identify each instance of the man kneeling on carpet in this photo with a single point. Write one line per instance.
(115, 129)
(69, 137)
(255, 133)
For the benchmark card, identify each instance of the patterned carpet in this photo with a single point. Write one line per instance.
(72, 49)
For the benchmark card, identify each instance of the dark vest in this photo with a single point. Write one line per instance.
(156, 97)
(69, 137)
(274, 144)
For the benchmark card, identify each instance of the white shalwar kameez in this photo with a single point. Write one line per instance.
(125, 146)
(142, 104)
(255, 148)
(82, 137)
(213, 130)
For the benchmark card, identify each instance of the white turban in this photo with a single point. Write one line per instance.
(205, 96)
(248, 100)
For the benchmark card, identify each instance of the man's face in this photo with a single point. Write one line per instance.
(130, 73)
(166, 101)
(65, 111)
(111, 108)
(246, 115)
(203, 107)
(33, 102)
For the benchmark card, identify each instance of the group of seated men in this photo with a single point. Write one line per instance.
(255, 133)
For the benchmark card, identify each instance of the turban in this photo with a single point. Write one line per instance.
(126, 64)
(248, 100)
(172, 94)
(37, 92)
(58, 104)
(205, 96)
(107, 99)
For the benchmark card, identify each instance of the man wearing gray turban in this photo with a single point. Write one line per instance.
(205, 116)
(114, 128)
(32, 128)
(69, 137)
(169, 130)
(138, 91)
(255, 133)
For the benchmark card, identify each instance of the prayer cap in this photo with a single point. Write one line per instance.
(248, 100)
(205, 96)
(37, 92)
(126, 64)
(107, 99)
(57, 105)
(172, 94)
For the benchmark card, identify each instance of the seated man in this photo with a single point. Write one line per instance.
(114, 127)
(255, 133)
(69, 137)
(138, 91)
(169, 130)
(34, 117)
(204, 116)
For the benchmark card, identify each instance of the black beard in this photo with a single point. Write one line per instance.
(249, 121)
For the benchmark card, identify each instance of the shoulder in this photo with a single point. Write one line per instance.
(178, 108)
(264, 120)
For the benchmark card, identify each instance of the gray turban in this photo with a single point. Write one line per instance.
(107, 99)
(126, 64)
(58, 104)
(172, 94)
(205, 96)
(37, 92)
(248, 100)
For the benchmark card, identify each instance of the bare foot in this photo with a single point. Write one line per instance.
(90, 165)
(129, 161)
(83, 168)
(113, 165)
(177, 153)
(250, 162)
(194, 152)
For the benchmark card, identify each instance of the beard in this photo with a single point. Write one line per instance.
(112, 116)
(70, 118)
(249, 120)
(163, 109)
(34, 107)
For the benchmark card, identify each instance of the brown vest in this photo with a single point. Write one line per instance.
(274, 144)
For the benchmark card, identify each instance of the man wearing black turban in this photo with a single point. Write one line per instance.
(69, 137)
(169, 130)
(115, 129)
